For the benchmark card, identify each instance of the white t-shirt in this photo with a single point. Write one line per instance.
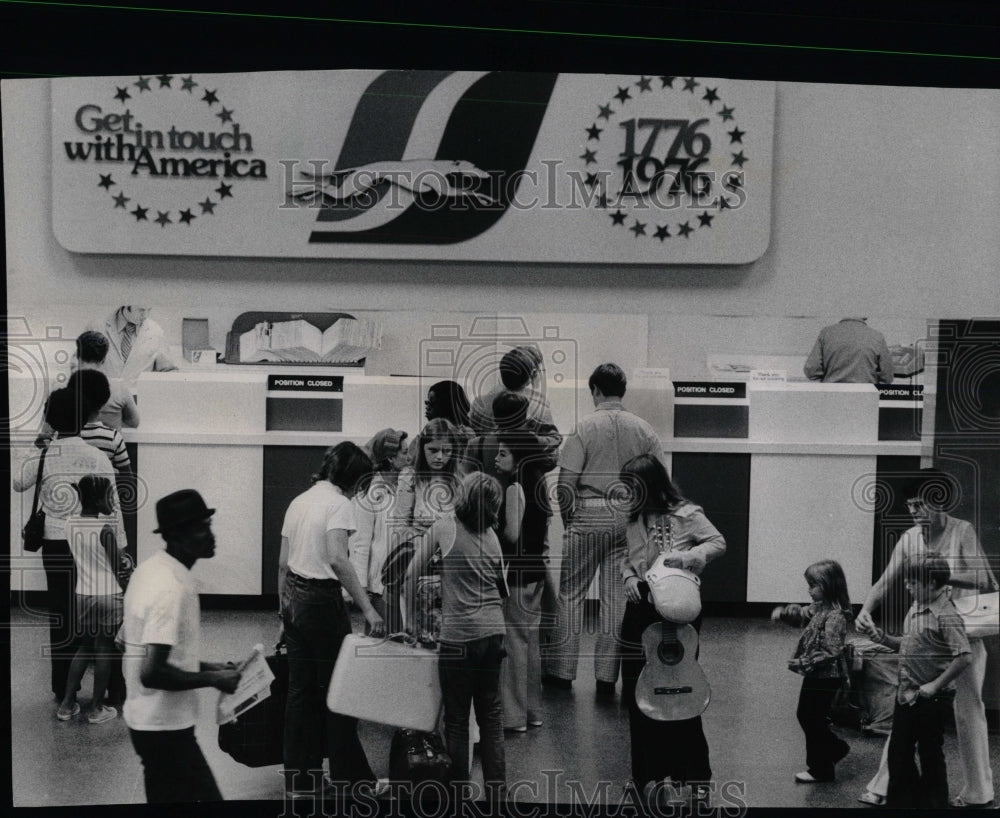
(95, 576)
(317, 510)
(161, 608)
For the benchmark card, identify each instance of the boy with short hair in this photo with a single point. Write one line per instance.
(934, 651)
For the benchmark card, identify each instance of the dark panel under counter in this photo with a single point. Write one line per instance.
(711, 409)
(720, 484)
(900, 411)
(305, 403)
(288, 472)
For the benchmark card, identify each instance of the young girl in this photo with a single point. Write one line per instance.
(819, 657)
(523, 523)
(99, 610)
(425, 492)
(662, 526)
(472, 626)
(369, 544)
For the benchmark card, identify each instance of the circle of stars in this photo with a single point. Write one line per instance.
(135, 90)
(615, 105)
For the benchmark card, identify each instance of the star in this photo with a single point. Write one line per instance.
(123, 94)
(623, 95)
(644, 83)
(105, 182)
(225, 114)
(685, 229)
(618, 217)
(726, 113)
(593, 132)
(739, 159)
(662, 232)
(210, 97)
(602, 201)
(605, 112)
(187, 84)
(711, 95)
(724, 204)
(638, 228)
(591, 180)
(120, 200)
(224, 190)
(207, 206)
(164, 80)
(667, 82)
(589, 156)
(705, 219)
(187, 217)
(142, 84)
(140, 213)
(690, 84)
(163, 219)
(736, 135)
(734, 180)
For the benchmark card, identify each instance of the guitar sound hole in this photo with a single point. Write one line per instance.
(670, 653)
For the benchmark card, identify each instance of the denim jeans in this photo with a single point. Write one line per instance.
(316, 621)
(173, 767)
(470, 674)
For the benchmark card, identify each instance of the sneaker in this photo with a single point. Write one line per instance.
(872, 798)
(64, 715)
(379, 788)
(104, 714)
(534, 721)
(807, 777)
(520, 729)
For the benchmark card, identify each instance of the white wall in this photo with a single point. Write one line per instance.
(886, 202)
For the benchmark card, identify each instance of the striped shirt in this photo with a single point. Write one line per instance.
(109, 441)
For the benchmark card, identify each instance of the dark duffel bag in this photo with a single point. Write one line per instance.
(416, 756)
(256, 738)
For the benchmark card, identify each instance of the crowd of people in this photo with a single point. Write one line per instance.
(443, 539)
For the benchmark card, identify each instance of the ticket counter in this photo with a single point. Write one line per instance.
(786, 471)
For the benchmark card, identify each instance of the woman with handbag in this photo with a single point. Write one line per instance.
(664, 528)
(67, 459)
(313, 568)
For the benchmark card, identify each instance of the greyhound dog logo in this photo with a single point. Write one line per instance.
(441, 177)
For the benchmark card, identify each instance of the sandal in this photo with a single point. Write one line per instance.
(960, 803)
(872, 798)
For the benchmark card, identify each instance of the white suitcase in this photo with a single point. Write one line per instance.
(386, 681)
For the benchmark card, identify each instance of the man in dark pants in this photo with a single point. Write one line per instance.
(162, 667)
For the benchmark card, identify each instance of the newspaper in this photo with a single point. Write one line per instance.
(254, 687)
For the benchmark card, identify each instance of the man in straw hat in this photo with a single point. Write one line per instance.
(163, 668)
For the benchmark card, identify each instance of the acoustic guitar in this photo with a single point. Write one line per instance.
(672, 686)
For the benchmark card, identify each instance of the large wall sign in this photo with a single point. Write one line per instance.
(501, 166)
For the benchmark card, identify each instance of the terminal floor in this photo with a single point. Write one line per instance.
(580, 751)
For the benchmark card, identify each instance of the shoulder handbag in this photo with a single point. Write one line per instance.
(33, 532)
(256, 737)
